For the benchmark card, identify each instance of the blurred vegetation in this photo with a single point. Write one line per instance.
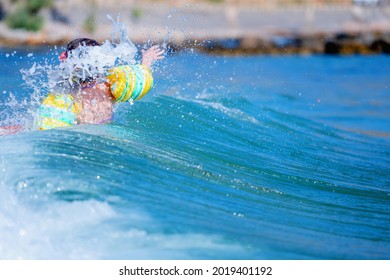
(26, 14)
(216, 1)
(136, 13)
(90, 21)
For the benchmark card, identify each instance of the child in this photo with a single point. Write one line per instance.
(92, 101)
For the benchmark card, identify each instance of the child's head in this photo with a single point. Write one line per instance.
(83, 69)
(74, 44)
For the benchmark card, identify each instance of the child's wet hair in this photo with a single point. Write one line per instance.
(81, 42)
(74, 44)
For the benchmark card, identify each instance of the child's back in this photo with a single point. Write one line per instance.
(97, 103)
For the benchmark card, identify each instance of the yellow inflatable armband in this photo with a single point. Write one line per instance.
(58, 111)
(129, 82)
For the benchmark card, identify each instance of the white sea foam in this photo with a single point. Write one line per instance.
(206, 100)
(231, 112)
(91, 230)
(54, 231)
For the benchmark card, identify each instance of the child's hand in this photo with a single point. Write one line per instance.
(151, 55)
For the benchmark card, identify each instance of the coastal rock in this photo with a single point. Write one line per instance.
(380, 46)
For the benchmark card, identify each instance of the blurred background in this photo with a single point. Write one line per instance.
(250, 26)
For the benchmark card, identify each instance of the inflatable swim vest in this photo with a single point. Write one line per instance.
(129, 82)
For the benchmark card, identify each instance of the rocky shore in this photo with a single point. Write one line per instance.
(217, 28)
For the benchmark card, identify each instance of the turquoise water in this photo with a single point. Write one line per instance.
(248, 157)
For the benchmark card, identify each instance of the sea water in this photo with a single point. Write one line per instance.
(243, 157)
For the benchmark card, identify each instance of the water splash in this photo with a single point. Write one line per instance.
(13, 112)
(52, 76)
(82, 63)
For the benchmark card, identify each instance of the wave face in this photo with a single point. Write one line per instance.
(227, 158)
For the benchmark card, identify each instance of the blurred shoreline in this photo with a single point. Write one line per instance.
(217, 28)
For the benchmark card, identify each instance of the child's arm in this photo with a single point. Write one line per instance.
(132, 82)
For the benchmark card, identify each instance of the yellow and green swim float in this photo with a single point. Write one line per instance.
(129, 82)
(58, 110)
